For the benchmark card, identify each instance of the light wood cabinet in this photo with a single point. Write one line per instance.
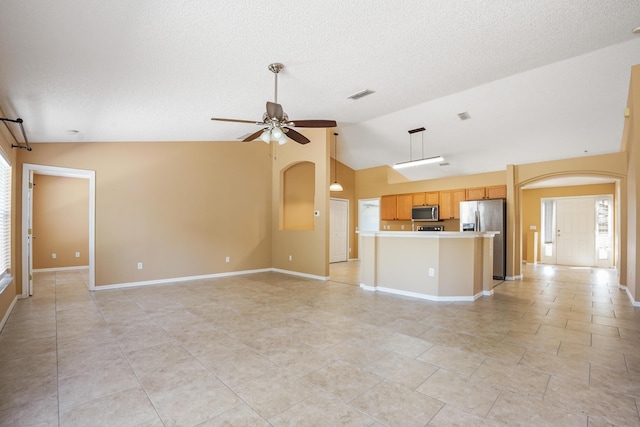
(426, 199)
(404, 203)
(388, 207)
(492, 192)
(450, 203)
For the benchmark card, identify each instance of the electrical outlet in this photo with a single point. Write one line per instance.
(290, 257)
(139, 266)
(432, 272)
(532, 227)
(77, 254)
(227, 259)
(402, 227)
(54, 256)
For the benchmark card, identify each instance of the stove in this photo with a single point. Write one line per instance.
(429, 228)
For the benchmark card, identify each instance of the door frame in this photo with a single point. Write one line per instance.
(28, 170)
(346, 229)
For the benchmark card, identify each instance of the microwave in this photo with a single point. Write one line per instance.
(424, 213)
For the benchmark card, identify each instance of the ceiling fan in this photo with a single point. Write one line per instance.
(276, 123)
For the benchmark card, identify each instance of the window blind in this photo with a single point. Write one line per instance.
(5, 216)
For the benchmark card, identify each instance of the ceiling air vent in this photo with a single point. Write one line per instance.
(445, 164)
(464, 115)
(361, 94)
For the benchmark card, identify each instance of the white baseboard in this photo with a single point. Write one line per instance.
(8, 313)
(179, 279)
(511, 278)
(43, 270)
(626, 289)
(297, 273)
(424, 296)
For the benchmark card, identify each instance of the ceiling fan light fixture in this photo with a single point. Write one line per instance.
(266, 136)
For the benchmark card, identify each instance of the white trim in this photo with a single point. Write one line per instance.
(424, 296)
(68, 173)
(626, 289)
(178, 279)
(5, 282)
(43, 270)
(8, 313)
(297, 273)
(517, 277)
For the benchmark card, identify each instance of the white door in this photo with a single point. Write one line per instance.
(339, 230)
(30, 235)
(575, 231)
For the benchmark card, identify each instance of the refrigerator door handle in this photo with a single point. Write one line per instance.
(477, 221)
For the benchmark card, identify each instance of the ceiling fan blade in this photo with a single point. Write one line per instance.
(253, 135)
(235, 120)
(297, 136)
(313, 123)
(274, 111)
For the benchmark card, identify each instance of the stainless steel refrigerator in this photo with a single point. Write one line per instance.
(488, 215)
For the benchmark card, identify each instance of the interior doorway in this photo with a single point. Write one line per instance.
(369, 215)
(28, 171)
(339, 230)
(577, 231)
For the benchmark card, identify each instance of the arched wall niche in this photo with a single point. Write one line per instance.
(620, 210)
(297, 195)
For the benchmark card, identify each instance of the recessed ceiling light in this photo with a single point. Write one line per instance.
(73, 131)
(636, 30)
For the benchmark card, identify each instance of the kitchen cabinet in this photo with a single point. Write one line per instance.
(396, 207)
(426, 199)
(492, 192)
(388, 207)
(404, 203)
(450, 203)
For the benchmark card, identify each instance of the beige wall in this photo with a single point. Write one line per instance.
(531, 200)
(309, 249)
(179, 208)
(60, 221)
(9, 294)
(631, 143)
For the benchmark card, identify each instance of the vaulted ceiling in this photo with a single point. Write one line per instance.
(541, 79)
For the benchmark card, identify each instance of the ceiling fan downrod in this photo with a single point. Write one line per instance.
(275, 69)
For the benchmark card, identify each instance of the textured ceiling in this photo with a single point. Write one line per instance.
(547, 74)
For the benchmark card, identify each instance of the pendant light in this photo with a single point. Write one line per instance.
(336, 185)
(417, 162)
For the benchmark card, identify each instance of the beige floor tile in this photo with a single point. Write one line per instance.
(539, 342)
(450, 337)
(565, 334)
(172, 376)
(453, 359)
(577, 370)
(271, 395)
(127, 408)
(450, 416)
(606, 357)
(42, 412)
(593, 328)
(193, 402)
(242, 366)
(471, 395)
(402, 369)
(405, 344)
(343, 380)
(104, 379)
(627, 383)
(31, 378)
(239, 416)
(357, 352)
(74, 361)
(614, 408)
(323, 410)
(19, 347)
(518, 410)
(393, 404)
(503, 350)
(516, 378)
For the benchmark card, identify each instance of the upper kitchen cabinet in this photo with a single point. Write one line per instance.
(426, 199)
(450, 203)
(396, 207)
(388, 207)
(492, 192)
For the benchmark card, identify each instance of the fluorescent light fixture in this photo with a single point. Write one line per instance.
(419, 162)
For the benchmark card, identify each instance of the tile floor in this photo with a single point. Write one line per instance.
(559, 348)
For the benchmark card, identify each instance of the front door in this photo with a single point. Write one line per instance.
(575, 231)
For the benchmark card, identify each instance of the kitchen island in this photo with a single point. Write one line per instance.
(438, 265)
